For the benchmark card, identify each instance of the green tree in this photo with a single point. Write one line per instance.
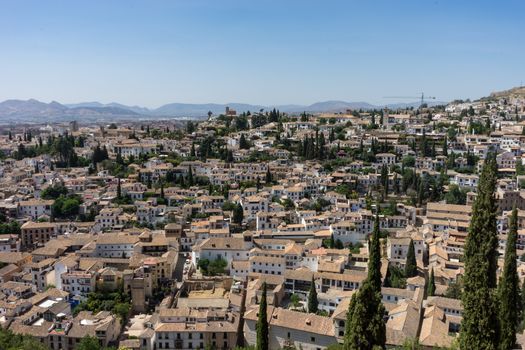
(431, 288)
(119, 189)
(262, 323)
(313, 303)
(411, 264)
(269, 177)
(295, 300)
(11, 341)
(455, 195)
(365, 326)
(374, 260)
(122, 310)
(479, 327)
(509, 289)
(54, 191)
(190, 177)
(89, 343)
(238, 214)
(243, 144)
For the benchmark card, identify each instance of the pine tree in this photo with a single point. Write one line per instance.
(411, 264)
(479, 327)
(162, 189)
(313, 303)
(262, 323)
(509, 289)
(431, 288)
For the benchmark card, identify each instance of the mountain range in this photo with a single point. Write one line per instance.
(33, 110)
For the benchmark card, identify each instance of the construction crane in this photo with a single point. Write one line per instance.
(422, 97)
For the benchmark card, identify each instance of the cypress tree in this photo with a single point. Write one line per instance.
(269, 177)
(243, 144)
(384, 180)
(119, 190)
(431, 288)
(411, 264)
(365, 326)
(374, 260)
(331, 241)
(238, 214)
(313, 303)
(190, 177)
(479, 327)
(509, 289)
(522, 303)
(262, 323)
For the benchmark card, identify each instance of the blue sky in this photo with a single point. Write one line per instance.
(263, 52)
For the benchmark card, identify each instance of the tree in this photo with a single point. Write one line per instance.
(190, 177)
(262, 322)
(269, 177)
(119, 189)
(54, 191)
(11, 341)
(122, 310)
(89, 343)
(479, 327)
(509, 289)
(313, 303)
(455, 195)
(522, 304)
(411, 264)
(243, 144)
(238, 214)
(374, 260)
(365, 326)
(384, 180)
(431, 288)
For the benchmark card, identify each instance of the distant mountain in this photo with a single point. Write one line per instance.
(13, 108)
(30, 111)
(33, 110)
(337, 106)
(135, 109)
(100, 111)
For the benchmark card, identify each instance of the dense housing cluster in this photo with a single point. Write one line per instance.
(312, 231)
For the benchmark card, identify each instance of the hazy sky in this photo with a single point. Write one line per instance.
(263, 52)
